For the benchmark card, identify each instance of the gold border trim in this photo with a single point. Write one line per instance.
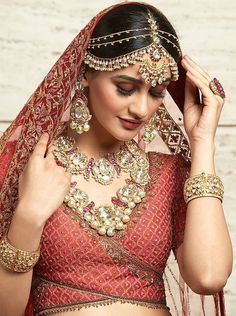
(105, 302)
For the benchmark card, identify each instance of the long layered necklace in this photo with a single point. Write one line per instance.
(105, 219)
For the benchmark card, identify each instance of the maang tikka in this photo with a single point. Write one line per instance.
(155, 69)
(80, 115)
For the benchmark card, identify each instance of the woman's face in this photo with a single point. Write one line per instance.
(120, 102)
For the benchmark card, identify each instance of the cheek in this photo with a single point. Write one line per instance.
(104, 98)
(155, 104)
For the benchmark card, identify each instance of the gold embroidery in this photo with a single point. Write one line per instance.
(5, 136)
(3, 139)
(114, 249)
(107, 300)
(172, 134)
(141, 269)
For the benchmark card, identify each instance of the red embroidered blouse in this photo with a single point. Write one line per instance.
(79, 268)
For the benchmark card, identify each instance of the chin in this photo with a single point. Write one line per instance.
(121, 134)
(126, 136)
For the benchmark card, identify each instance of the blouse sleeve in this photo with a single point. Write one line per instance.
(179, 206)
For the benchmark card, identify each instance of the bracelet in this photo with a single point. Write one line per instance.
(203, 185)
(16, 259)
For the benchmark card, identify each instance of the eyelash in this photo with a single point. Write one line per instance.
(129, 92)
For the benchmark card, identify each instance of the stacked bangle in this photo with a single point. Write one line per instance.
(16, 259)
(203, 185)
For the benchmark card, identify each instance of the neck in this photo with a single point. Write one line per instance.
(95, 142)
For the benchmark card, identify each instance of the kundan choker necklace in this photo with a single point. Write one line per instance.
(107, 219)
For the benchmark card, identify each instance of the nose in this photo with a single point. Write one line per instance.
(139, 107)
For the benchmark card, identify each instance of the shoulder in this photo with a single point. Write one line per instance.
(176, 161)
(168, 167)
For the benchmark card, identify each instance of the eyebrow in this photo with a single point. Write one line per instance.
(129, 78)
(135, 80)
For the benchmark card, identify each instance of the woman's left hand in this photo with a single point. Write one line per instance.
(200, 120)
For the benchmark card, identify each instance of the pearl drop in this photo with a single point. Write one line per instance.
(125, 219)
(110, 232)
(87, 216)
(71, 203)
(66, 199)
(73, 125)
(131, 204)
(127, 211)
(86, 127)
(141, 194)
(94, 224)
(102, 231)
(119, 226)
(137, 199)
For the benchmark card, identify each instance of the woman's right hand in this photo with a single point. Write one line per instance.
(42, 185)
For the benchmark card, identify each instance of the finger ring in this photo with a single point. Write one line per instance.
(217, 88)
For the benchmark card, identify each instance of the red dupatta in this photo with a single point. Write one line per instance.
(47, 109)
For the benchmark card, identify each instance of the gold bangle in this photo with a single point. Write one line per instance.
(203, 185)
(16, 259)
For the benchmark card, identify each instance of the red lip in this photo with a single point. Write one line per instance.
(130, 123)
(131, 120)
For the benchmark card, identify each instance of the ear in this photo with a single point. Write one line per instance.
(85, 80)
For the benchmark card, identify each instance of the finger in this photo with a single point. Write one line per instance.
(207, 94)
(207, 88)
(195, 71)
(194, 65)
(191, 94)
(50, 150)
(41, 146)
(216, 93)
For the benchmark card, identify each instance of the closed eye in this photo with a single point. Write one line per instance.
(125, 91)
(129, 92)
(157, 94)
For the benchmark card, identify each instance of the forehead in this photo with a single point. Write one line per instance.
(134, 71)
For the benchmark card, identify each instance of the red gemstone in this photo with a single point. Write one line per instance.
(89, 168)
(112, 159)
(118, 202)
(89, 207)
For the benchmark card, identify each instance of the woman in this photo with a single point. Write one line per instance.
(99, 222)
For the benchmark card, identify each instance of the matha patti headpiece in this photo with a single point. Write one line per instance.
(154, 69)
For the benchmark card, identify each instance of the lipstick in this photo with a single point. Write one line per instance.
(130, 123)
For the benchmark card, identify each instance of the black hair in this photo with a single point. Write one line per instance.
(131, 16)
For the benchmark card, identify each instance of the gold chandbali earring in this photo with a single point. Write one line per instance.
(80, 115)
(150, 129)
